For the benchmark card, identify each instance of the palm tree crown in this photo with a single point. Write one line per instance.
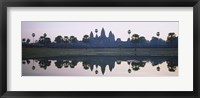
(45, 35)
(158, 34)
(129, 32)
(33, 35)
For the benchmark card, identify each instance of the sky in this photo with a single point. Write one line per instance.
(79, 29)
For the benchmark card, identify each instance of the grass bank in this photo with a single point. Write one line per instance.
(51, 52)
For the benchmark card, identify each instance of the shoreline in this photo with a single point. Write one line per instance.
(52, 52)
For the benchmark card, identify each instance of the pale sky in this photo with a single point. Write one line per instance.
(79, 29)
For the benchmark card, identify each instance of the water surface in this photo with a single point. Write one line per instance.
(101, 66)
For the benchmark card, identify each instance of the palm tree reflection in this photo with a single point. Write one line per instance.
(23, 62)
(73, 63)
(59, 64)
(129, 69)
(133, 63)
(171, 66)
(137, 64)
(66, 64)
(43, 63)
(158, 68)
(86, 65)
(96, 71)
(33, 67)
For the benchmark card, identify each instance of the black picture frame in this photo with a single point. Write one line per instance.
(98, 3)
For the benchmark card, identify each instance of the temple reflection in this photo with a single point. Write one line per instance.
(92, 63)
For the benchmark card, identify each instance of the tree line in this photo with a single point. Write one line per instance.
(88, 41)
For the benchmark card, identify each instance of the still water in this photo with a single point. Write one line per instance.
(101, 66)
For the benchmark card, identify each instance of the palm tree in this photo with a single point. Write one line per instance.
(58, 39)
(45, 35)
(171, 36)
(86, 39)
(135, 39)
(33, 35)
(158, 34)
(96, 30)
(129, 32)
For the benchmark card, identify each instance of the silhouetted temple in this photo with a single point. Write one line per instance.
(102, 41)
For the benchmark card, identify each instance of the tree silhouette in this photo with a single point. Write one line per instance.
(44, 40)
(28, 40)
(142, 39)
(41, 40)
(171, 36)
(86, 39)
(66, 39)
(58, 39)
(33, 35)
(158, 34)
(73, 39)
(172, 40)
(103, 41)
(129, 32)
(96, 30)
(45, 35)
(23, 40)
(47, 40)
(135, 39)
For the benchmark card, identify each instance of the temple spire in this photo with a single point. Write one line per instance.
(103, 35)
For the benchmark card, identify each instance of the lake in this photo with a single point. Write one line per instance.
(134, 66)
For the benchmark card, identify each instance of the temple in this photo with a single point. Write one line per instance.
(102, 41)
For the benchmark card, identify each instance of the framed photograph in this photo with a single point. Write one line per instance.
(131, 48)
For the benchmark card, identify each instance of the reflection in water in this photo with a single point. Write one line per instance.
(91, 65)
